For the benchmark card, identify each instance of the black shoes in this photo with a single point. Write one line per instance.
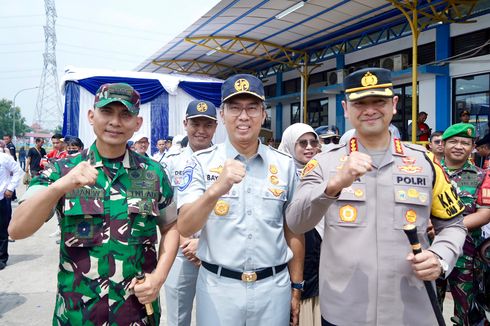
(2, 265)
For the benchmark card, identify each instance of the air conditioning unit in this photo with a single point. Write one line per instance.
(336, 77)
(395, 62)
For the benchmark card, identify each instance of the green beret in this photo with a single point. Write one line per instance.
(459, 130)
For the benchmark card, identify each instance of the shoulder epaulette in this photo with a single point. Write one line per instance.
(172, 155)
(280, 152)
(206, 150)
(416, 147)
(333, 147)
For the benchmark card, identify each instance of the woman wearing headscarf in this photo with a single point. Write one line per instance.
(301, 142)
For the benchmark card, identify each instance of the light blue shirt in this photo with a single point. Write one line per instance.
(247, 233)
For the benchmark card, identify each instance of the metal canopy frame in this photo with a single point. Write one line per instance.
(383, 22)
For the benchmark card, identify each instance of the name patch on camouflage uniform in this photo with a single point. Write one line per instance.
(86, 192)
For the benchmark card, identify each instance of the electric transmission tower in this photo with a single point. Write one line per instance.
(49, 111)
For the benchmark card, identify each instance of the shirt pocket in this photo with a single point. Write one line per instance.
(350, 209)
(83, 222)
(142, 214)
(227, 207)
(411, 207)
(274, 198)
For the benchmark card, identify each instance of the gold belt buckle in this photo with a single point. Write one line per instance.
(249, 277)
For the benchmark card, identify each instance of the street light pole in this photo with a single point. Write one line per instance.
(13, 108)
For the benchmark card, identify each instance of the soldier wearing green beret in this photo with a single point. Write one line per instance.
(473, 187)
(111, 202)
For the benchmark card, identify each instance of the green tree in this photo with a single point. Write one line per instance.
(6, 115)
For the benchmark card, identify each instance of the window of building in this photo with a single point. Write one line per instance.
(317, 112)
(292, 86)
(270, 91)
(472, 93)
(295, 113)
(404, 109)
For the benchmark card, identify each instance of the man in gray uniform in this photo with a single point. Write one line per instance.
(180, 288)
(237, 197)
(367, 190)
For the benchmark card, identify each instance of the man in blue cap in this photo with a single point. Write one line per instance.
(200, 124)
(236, 197)
(367, 190)
(473, 187)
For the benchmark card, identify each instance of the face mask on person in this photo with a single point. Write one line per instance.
(72, 151)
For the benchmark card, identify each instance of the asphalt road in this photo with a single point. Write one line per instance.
(28, 283)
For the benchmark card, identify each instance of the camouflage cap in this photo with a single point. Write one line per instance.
(120, 92)
(466, 130)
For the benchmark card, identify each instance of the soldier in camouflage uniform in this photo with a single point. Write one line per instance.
(110, 201)
(472, 186)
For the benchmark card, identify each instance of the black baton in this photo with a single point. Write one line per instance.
(140, 278)
(411, 232)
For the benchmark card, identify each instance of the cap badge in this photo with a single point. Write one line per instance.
(369, 80)
(469, 132)
(242, 85)
(202, 107)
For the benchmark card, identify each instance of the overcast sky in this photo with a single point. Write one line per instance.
(109, 34)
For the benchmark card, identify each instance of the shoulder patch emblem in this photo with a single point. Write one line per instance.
(309, 167)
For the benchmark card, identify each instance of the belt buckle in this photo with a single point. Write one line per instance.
(249, 277)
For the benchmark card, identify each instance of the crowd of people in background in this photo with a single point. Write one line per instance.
(462, 157)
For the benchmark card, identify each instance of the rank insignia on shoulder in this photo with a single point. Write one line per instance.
(221, 208)
(309, 167)
(218, 169)
(353, 146)
(398, 146)
(348, 213)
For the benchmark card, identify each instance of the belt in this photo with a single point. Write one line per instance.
(245, 276)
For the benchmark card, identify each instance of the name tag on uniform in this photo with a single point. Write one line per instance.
(468, 180)
(408, 180)
(86, 193)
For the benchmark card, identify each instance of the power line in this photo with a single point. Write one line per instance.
(106, 32)
(92, 22)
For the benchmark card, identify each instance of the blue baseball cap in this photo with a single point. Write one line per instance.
(242, 84)
(200, 108)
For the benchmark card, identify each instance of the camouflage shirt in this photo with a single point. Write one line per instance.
(108, 235)
(469, 184)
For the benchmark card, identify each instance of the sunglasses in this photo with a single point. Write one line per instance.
(304, 143)
(333, 140)
(437, 141)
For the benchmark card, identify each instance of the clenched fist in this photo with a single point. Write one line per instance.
(81, 175)
(356, 165)
(233, 172)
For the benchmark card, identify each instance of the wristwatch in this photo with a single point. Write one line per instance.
(444, 268)
(298, 286)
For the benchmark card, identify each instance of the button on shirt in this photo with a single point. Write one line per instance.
(7, 167)
(245, 230)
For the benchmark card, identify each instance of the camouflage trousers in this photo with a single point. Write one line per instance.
(463, 289)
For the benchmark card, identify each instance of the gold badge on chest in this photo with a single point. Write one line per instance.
(221, 208)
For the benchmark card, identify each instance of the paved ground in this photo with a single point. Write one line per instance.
(28, 283)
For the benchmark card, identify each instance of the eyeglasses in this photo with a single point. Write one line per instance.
(303, 143)
(437, 141)
(252, 111)
(334, 140)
